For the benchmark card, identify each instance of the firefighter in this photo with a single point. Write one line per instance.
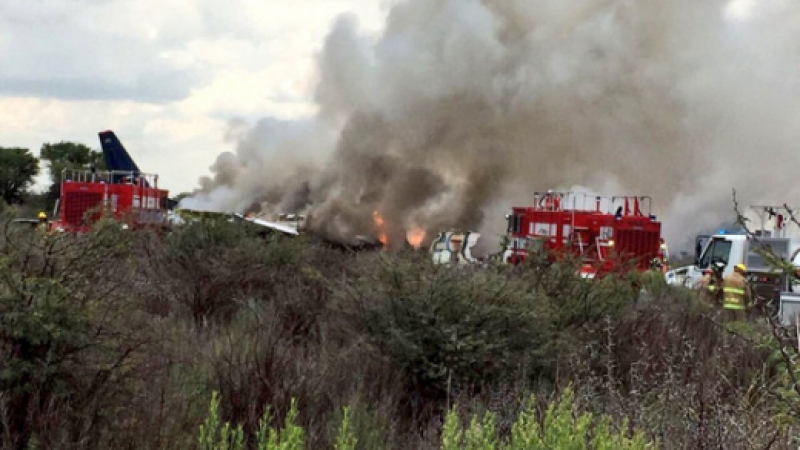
(42, 221)
(652, 279)
(705, 281)
(736, 296)
(708, 287)
(663, 253)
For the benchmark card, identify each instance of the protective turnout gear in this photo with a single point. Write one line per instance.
(709, 287)
(42, 225)
(735, 294)
(734, 290)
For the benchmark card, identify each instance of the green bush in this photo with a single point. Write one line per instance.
(559, 428)
(67, 332)
(444, 327)
(214, 435)
(207, 267)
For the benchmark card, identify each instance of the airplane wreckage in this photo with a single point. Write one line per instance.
(592, 227)
(447, 247)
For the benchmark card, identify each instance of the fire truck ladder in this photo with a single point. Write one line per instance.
(579, 237)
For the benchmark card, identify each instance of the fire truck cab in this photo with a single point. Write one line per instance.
(602, 231)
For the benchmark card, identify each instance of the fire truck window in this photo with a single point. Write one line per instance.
(514, 224)
(717, 251)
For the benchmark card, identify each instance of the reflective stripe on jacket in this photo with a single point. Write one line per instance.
(734, 291)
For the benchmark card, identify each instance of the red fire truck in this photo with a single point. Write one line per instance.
(604, 232)
(133, 199)
(123, 192)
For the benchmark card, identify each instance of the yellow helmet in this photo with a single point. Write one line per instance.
(42, 215)
(741, 267)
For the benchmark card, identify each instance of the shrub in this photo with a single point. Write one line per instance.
(559, 427)
(214, 435)
(117, 339)
(206, 267)
(67, 333)
(443, 327)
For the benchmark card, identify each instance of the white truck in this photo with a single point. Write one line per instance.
(729, 248)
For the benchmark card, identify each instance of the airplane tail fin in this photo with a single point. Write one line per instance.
(115, 155)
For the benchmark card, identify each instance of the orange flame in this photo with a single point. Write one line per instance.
(415, 236)
(380, 224)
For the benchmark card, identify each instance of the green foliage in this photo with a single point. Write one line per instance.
(72, 155)
(481, 435)
(210, 235)
(216, 236)
(346, 440)
(211, 264)
(63, 336)
(292, 437)
(67, 155)
(468, 328)
(440, 327)
(559, 428)
(116, 339)
(452, 435)
(577, 302)
(215, 435)
(18, 167)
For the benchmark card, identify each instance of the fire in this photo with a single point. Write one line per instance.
(415, 236)
(380, 225)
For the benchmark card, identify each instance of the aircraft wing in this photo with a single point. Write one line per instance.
(272, 225)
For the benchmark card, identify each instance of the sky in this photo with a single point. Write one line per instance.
(167, 76)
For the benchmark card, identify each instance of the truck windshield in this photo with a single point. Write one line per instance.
(716, 251)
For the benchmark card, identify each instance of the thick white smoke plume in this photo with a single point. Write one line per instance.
(463, 108)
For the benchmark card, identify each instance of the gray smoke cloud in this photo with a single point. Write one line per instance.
(463, 108)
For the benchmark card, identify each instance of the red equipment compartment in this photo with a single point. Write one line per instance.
(602, 231)
(133, 198)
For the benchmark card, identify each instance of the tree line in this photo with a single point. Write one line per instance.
(20, 166)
